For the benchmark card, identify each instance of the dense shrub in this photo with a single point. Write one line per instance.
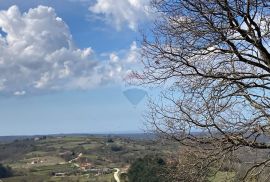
(116, 148)
(5, 172)
(110, 140)
(149, 168)
(124, 177)
(191, 165)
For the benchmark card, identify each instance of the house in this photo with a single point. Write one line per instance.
(85, 166)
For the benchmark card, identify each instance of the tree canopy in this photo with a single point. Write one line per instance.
(5, 172)
(149, 168)
(214, 58)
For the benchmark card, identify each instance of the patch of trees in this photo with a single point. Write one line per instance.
(5, 172)
(16, 149)
(149, 168)
(68, 155)
(116, 148)
(110, 140)
(124, 177)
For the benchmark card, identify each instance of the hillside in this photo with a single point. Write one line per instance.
(74, 157)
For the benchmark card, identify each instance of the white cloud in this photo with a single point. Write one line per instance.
(19, 93)
(37, 55)
(122, 12)
(133, 53)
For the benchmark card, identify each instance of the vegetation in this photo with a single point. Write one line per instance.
(5, 172)
(149, 168)
(213, 58)
(189, 165)
(116, 148)
(93, 158)
(75, 158)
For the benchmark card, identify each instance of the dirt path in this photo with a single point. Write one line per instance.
(116, 174)
(80, 154)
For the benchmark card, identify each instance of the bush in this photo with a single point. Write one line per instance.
(110, 140)
(124, 177)
(116, 148)
(149, 168)
(191, 165)
(5, 172)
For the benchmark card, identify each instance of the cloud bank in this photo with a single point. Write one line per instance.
(37, 54)
(123, 12)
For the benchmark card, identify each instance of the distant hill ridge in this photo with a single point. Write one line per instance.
(6, 139)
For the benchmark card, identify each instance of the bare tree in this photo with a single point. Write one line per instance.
(213, 57)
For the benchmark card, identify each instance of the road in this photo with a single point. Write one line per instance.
(116, 174)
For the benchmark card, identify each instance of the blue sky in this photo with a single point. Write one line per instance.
(62, 65)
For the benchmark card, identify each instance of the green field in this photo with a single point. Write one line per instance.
(45, 158)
